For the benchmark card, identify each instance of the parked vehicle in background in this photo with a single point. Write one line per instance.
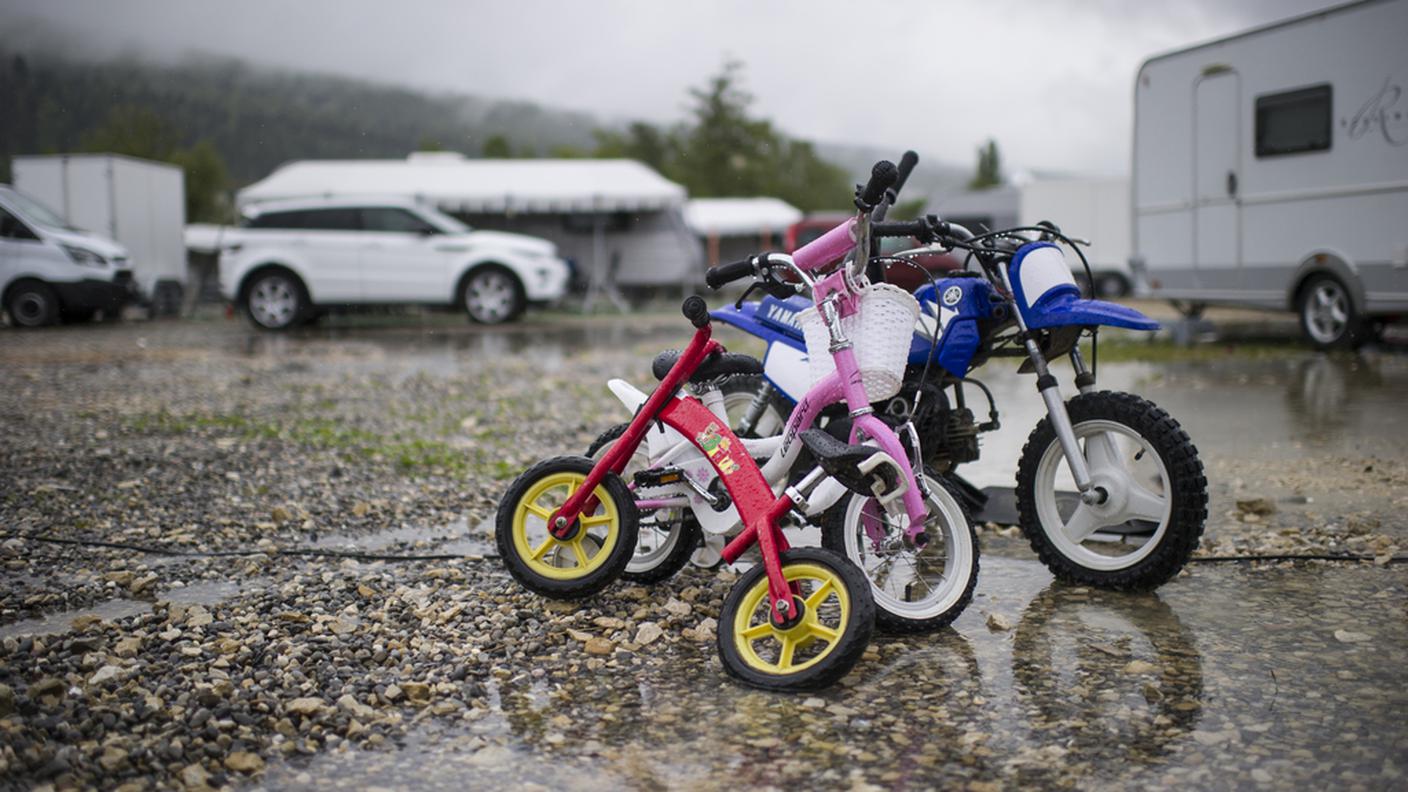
(1271, 170)
(936, 263)
(290, 261)
(138, 203)
(51, 271)
(1099, 208)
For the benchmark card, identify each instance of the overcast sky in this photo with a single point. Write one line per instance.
(1051, 81)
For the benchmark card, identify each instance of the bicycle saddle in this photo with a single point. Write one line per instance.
(714, 366)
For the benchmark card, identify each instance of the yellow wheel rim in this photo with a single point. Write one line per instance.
(770, 650)
(586, 552)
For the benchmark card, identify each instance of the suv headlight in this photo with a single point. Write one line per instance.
(84, 257)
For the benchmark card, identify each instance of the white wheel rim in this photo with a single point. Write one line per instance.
(654, 540)
(913, 584)
(272, 301)
(736, 406)
(1128, 468)
(1327, 312)
(489, 296)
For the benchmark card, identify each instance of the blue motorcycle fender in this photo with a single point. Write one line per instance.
(1047, 294)
(750, 321)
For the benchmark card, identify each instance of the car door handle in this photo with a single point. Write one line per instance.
(1231, 184)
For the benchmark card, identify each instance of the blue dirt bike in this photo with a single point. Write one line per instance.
(1110, 489)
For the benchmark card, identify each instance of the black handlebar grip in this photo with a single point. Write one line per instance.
(907, 163)
(882, 177)
(900, 228)
(728, 273)
(695, 310)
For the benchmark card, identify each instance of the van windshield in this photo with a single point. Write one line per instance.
(35, 212)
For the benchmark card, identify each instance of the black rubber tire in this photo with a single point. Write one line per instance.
(32, 304)
(592, 582)
(1188, 489)
(302, 306)
(750, 384)
(833, 538)
(518, 302)
(855, 636)
(687, 536)
(1356, 331)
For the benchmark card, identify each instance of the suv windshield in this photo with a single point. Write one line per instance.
(35, 212)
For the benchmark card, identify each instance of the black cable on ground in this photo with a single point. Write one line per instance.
(1398, 559)
(297, 551)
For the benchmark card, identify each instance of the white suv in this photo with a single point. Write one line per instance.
(290, 260)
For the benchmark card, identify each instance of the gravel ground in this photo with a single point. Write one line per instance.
(192, 671)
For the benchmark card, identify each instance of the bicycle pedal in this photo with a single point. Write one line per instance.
(646, 479)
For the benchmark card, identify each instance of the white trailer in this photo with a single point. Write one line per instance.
(1270, 169)
(139, 203)
(1093, 209)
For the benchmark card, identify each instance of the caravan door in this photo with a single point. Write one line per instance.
(1217, 136)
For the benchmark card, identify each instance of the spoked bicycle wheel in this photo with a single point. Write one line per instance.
(585, 562)
(1148, 472)
(916, 589)
(666, 538)
(824, 643)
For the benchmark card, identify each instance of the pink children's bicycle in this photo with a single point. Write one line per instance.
(801, 619)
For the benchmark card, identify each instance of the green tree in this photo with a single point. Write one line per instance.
(134, 131)
(207, 183)
(497, 147)
(989, 170)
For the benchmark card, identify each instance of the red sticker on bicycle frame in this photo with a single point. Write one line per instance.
(716, 445)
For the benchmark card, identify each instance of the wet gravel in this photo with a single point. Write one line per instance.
(201, 437)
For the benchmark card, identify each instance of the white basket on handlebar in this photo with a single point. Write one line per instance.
(881, 333)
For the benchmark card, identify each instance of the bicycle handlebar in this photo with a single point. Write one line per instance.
(882, 177)
(728, 273)
(907, 163)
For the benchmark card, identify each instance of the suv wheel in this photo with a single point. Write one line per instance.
(32, 304)
(275, 301)
(492, 295)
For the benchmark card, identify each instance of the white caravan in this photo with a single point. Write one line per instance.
(1271, 170)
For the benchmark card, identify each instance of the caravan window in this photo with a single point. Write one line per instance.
(1293, 122)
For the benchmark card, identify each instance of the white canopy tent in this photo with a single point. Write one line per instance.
(739, 216)
(737, 227)
(459, 185)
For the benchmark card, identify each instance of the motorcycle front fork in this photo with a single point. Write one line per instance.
(1061, 419)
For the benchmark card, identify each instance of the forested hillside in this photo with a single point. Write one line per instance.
(257, 119)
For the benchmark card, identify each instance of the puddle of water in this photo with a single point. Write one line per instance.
(455, 537)
(200, 593)
(212, 592)
(62, 622)
(1224, 671)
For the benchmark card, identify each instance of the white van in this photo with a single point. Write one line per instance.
(50, 271)
(1271, 170)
